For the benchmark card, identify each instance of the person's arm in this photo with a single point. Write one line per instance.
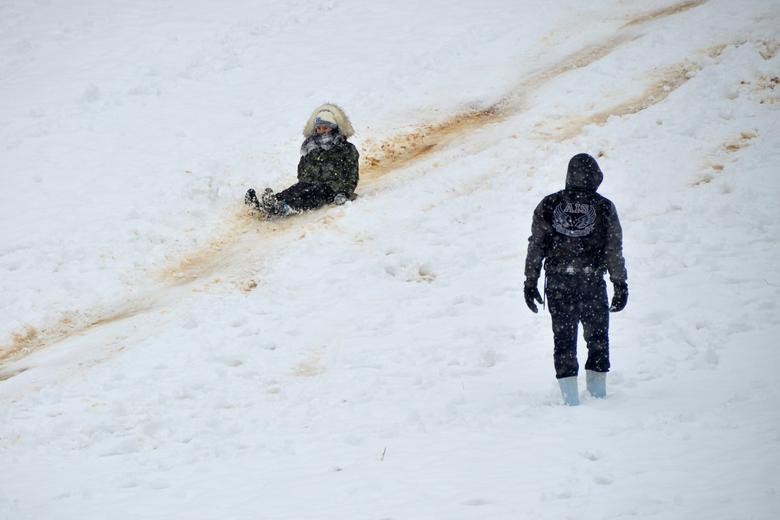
(616, 264)
(351, 167)
(537, 250)
(537, 245)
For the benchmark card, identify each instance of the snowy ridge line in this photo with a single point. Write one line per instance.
(379, 159)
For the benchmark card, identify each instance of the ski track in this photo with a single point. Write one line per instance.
(228, 253)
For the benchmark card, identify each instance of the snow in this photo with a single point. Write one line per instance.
(165, 355)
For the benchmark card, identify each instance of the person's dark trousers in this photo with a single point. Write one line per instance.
(575, 298)
(304, 195)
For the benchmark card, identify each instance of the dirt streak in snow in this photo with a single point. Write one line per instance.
(665, 82)
(378, 160)
(664, 12)
(32, 339)
(716, 163)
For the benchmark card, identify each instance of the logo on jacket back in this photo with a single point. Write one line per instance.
(574, 219)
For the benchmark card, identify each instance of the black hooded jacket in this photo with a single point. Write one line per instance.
(576, 230)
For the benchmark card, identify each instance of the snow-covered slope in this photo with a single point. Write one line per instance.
(165, 355)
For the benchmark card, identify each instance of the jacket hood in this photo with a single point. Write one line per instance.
(330, 112)
(584, 173)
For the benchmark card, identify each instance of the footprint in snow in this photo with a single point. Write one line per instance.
(591, 456)
(476, 502)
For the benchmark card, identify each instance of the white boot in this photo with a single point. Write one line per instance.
(571, 396)
(597, 383)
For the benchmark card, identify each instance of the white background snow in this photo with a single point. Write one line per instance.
(167, 355)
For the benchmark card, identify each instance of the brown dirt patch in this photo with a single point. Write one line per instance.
(740, 142)
(248, 286)
(404, 149)
(717, 50)
(768, 49)
(717, 168)
(702, 180)
(22, 342)
(207, 259)
(768, 84)
(242, 230)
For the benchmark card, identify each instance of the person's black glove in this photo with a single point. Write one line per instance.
(619, 297)
(532, 294)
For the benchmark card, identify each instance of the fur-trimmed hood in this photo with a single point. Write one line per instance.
(343, 122)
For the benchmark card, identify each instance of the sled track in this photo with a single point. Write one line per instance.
(378, 160)
(32, 339)
(667, 82)
(664, 12)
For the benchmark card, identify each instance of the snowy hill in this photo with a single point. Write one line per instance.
(164, 354)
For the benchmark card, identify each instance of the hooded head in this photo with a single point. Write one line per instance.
(331, 115)
(584, 173)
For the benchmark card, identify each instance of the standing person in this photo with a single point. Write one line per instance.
(327, 169)
(576, 232)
